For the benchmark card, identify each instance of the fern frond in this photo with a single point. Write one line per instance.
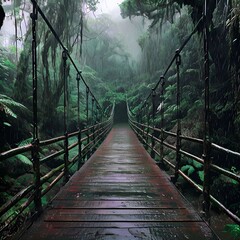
(7, 103)
(24, 159)
(7, 110)
(25, 142)
(11, 103)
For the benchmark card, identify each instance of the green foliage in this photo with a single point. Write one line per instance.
(23, 159)
(197, 164)
(155, 10)
(193, 169)
(7, 104)
(16, 166)
(142, 40)
(7, 70)
(189, 169)
(25, 142)
(201, 175)
(233, 229)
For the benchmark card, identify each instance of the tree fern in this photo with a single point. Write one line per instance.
(7, 105)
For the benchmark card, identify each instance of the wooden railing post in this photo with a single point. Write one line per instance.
(206, 140)
(162, 118)
(178, 139)
(93, 123)
(65, 118)
(144, 133)
(148, 123)
(35, 142)
(79, 124)
(142, 122)
(87, 116)
(153, 122)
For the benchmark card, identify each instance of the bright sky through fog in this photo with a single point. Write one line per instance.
(121, 26)
(106, 6)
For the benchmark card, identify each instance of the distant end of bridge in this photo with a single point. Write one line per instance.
(120, 113)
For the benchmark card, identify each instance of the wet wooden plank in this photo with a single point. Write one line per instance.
(120, 193)
(149, 204)
(122, 231)
(125, 215)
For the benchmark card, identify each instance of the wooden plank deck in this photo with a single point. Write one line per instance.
(120, 193)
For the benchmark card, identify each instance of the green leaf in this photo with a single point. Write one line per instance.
(189, 169)
(25, 142)
(233, 229)
(201, 175)
(24, 159)
(197, 164)
(185, 168)
(7, 124)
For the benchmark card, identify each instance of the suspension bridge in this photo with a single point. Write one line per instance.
(118, 191)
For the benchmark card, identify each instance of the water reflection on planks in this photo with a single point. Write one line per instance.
(120, 193)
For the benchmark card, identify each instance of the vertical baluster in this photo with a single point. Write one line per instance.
(93, 122)
(87, 116)
(79, 124)
(162, 118)
(35, 142)
(178, 138)
(153, 122)
(65, 118)
(147, 123)
(206, 140)
(142, 122)
(97, 120)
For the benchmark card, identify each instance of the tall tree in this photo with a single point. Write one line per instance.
(67, 18)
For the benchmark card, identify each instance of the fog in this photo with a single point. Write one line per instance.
(128, 30)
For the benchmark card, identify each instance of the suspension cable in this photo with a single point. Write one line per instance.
(63, 47)
(179, 50)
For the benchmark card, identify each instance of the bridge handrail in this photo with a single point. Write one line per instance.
(100, 131)
(142, 132)
(93, 134)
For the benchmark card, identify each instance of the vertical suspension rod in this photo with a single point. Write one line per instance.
(79, 126)
(178, 140)
(87, 103)
(35, 142)
(153, 123)
(162, 116)
(87, 113)
(206, 140)
(65, 117)
(93, 129)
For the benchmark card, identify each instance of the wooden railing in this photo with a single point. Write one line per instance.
(92, 136)
(86, 139)
(144, 123)
(146, 134)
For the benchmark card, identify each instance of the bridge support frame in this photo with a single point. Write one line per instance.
(65, 118)
(178, 136)
(78, 78)
(35, 141)
(162, 119)
(206, 141)
(87, 116)
(153, 122)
